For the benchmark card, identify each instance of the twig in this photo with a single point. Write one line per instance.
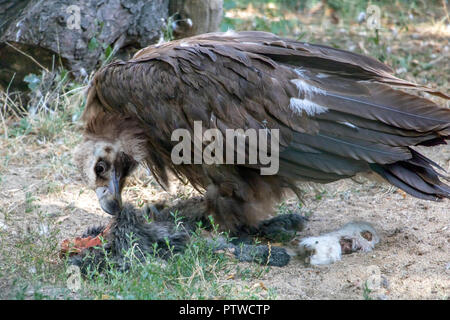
(28, 56)
(4, 107)
(432, 62)
(444, 4)
(3, 120)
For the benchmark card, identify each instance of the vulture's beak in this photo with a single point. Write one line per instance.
(109, 197)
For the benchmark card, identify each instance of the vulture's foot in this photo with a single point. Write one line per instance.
(263, 254)
(282, 228)
(329, 247)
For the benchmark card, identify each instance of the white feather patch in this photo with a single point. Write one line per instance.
(301, 72)
(348, 124)
(305, 87)
(322, 75)
(306, 90)
(311, 108)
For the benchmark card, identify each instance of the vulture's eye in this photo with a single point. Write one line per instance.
(100, 168)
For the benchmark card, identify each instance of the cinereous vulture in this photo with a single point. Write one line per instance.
(338, 114)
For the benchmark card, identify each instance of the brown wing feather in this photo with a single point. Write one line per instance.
(321, 57)
(245, 80)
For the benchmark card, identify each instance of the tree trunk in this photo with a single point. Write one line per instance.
(36, 34)
(193, 17)
(45, 34)
(9, 10)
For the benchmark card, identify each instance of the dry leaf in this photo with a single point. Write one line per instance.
(261, 285)
(231, 276)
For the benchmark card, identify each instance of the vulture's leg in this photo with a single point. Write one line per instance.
(282, 228)
(191, 212)
(263, 254)
(239, 198)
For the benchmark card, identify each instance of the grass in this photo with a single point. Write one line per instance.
(29, 261)
(37, 136)
(197, 273)
(30, 269)
(366, 292)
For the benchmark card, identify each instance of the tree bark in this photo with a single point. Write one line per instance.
(37, 34)
(9, 10)
(205, 16)
(45, 34)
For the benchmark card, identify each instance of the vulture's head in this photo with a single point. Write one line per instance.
(104, 167)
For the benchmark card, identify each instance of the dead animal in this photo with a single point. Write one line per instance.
(328, 248)
(150, 231)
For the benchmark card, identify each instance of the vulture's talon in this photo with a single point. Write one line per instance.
(262, 254)
(282, 228)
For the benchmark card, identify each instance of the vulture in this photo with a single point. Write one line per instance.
(337, 114)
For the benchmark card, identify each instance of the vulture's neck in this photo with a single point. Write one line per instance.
(134, 143)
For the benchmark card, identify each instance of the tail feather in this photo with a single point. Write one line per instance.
(415, 176)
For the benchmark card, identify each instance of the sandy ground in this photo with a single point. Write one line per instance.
(412, 260)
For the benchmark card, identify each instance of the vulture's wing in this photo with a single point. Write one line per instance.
(338, 112)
